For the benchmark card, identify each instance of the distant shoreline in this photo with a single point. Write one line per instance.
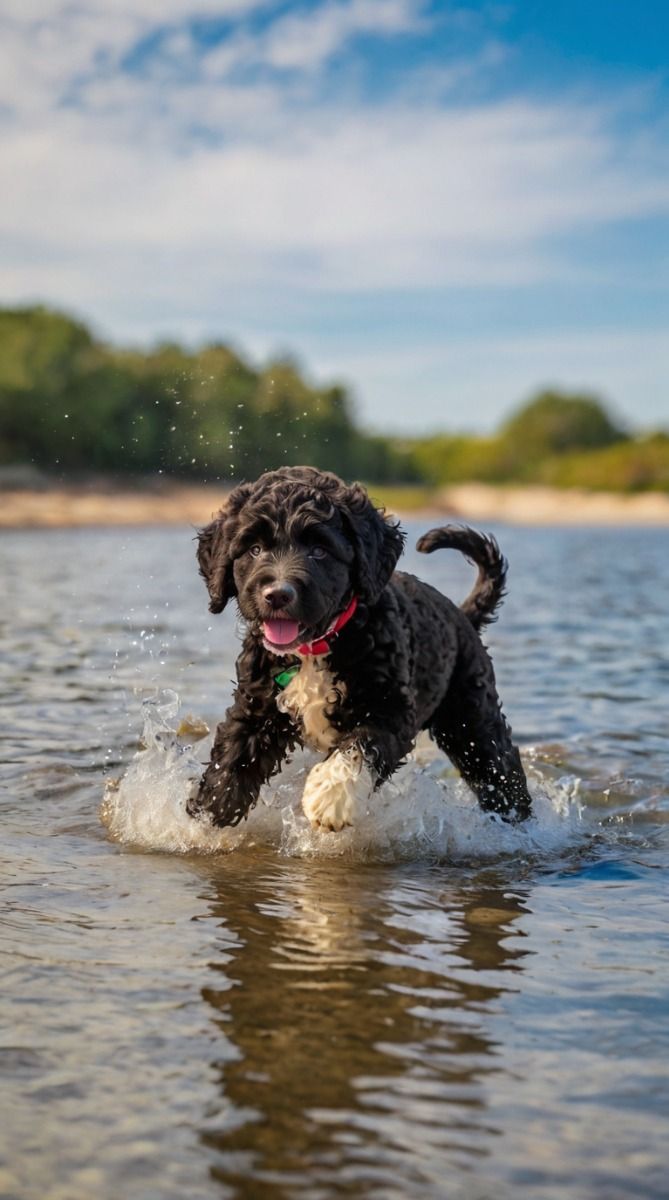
(72, 507)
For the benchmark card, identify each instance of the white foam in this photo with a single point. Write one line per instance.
(422, 812)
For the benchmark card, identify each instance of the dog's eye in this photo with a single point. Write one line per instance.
(317, 552)
(255, 551)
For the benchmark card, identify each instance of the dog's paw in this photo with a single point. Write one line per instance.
(334, 788)
(225, 799)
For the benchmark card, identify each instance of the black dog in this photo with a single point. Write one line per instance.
(344, 655)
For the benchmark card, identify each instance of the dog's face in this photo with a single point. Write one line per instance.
(294, 548)
(292, 573)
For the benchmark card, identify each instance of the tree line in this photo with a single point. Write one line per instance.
(557, 440)
(72, 404)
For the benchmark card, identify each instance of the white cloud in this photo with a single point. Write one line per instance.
(46, 50)
(180, 197)
(306, 40)
(379, 198)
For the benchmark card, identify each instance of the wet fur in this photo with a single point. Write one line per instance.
(308, 700)
(409, 659)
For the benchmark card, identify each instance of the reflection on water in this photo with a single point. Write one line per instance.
(359, 1014)
(261, 1023)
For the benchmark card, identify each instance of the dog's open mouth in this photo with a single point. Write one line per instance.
(281, 631)
(282, 634)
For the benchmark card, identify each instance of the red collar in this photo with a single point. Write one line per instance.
(322, 645)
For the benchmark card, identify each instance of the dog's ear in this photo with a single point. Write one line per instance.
(213, 549)
(377, 541)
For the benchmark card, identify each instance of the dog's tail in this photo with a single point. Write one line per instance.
(481, 549)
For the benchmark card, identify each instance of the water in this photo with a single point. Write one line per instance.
(428, 1006)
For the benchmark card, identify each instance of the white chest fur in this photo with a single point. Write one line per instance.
(308, 698)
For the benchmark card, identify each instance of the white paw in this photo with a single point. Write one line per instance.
(334, 788)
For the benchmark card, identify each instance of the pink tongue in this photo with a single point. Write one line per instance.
(280, 632)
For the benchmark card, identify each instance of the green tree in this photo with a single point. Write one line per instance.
(637, 465)
(556, 423)
(44, 356)
(69, 402)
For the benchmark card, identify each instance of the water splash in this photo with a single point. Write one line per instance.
(423, 812)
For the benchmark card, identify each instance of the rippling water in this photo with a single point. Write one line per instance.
(280, 1020)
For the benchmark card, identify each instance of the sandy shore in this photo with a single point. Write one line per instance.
(63, 507)
(555, 506)
(181, 505)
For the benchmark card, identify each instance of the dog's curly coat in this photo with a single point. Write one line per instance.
(295, 548)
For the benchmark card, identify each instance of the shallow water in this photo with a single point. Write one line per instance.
(415, 1010)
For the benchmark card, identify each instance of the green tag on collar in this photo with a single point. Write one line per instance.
(284, 677)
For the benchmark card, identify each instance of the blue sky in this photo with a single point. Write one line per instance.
(445, 205)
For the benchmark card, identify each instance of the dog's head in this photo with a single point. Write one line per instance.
(294, 548)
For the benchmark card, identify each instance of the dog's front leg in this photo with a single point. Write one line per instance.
(248, 749)
(376, 725)
(339, 787)
(334, 789)
(249, 746)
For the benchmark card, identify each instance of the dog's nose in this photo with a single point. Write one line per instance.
(280, 595)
